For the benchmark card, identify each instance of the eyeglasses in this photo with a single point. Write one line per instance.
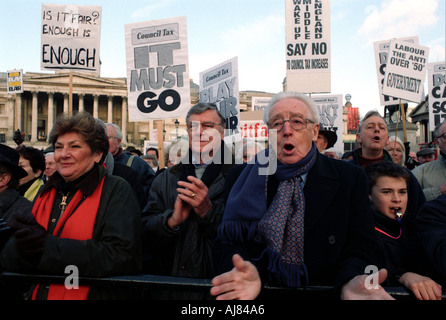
(110, 137)
(297, 123)
(443, 136)
(205, 125)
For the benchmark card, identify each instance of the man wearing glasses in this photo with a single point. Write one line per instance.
(186, 202)
(432, 175)
(307, 223)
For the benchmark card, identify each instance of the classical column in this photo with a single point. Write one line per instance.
(81, 102)
(34, 116)
(136, 132)
(96, 106)
(65, 103)
(19, 120)
(50, 113)
(110, 110)
(124, 120)
(10, 111)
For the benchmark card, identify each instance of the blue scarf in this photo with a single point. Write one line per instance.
(247, 206)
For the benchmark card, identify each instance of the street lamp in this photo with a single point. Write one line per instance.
(177, 124)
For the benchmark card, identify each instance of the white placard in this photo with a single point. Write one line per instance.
(406, 70)
(330, 110)
(157, 69)
(381, 55)
(308, 46)
(219, 85)
(70, 37)
(259, 103)
(15, 81)
(437, 93)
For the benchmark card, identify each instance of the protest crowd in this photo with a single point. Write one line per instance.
(240, 215)
(288, 215)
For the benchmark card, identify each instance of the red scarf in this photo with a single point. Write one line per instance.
(77, 224)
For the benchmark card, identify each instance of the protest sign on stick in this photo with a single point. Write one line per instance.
(157, 69)
(15, 81)
(219, 85)
(308, 47)
(70, 37)
(437, 93)
(406, 70)
(330, 111)
(381, 55)
(70, 40)
(405, 73)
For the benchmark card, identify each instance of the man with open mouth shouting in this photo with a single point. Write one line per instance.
(373, 135)
(308, 222)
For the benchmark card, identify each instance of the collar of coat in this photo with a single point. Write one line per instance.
(86, 183)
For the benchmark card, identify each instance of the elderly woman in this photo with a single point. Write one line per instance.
(396, 149)
(83, 217)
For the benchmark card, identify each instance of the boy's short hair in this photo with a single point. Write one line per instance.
(385, 169)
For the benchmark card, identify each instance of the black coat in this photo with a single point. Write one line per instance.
(115, 247)
(431, 232)
(402, 254)
(339, 241)
(187, 251)
(12, 202)
(133, 178)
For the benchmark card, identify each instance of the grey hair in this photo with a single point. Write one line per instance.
(437, 129)
(371, 113)
(292, 95)
(117, 129)
(400, 142)
(201, 107)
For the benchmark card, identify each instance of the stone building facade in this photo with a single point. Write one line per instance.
(47, 95)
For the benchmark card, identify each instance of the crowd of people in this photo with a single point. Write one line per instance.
(291, 215)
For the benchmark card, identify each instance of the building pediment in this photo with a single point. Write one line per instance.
(421, 111)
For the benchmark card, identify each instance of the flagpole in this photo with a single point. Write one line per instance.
(159, 129)
(70, 95)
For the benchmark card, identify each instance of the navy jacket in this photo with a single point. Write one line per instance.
(431, 231)
(339, 237)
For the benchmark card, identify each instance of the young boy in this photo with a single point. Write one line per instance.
(388, 195)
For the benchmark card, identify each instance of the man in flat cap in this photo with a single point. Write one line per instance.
(425, 155)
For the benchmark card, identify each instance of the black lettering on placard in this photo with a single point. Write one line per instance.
(144, 102)
(438, 107)
(175, 103)
(168, 100)
(438, 118)
(438, 92)
(69, 56)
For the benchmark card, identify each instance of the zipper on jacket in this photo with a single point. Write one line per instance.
(62, 206)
